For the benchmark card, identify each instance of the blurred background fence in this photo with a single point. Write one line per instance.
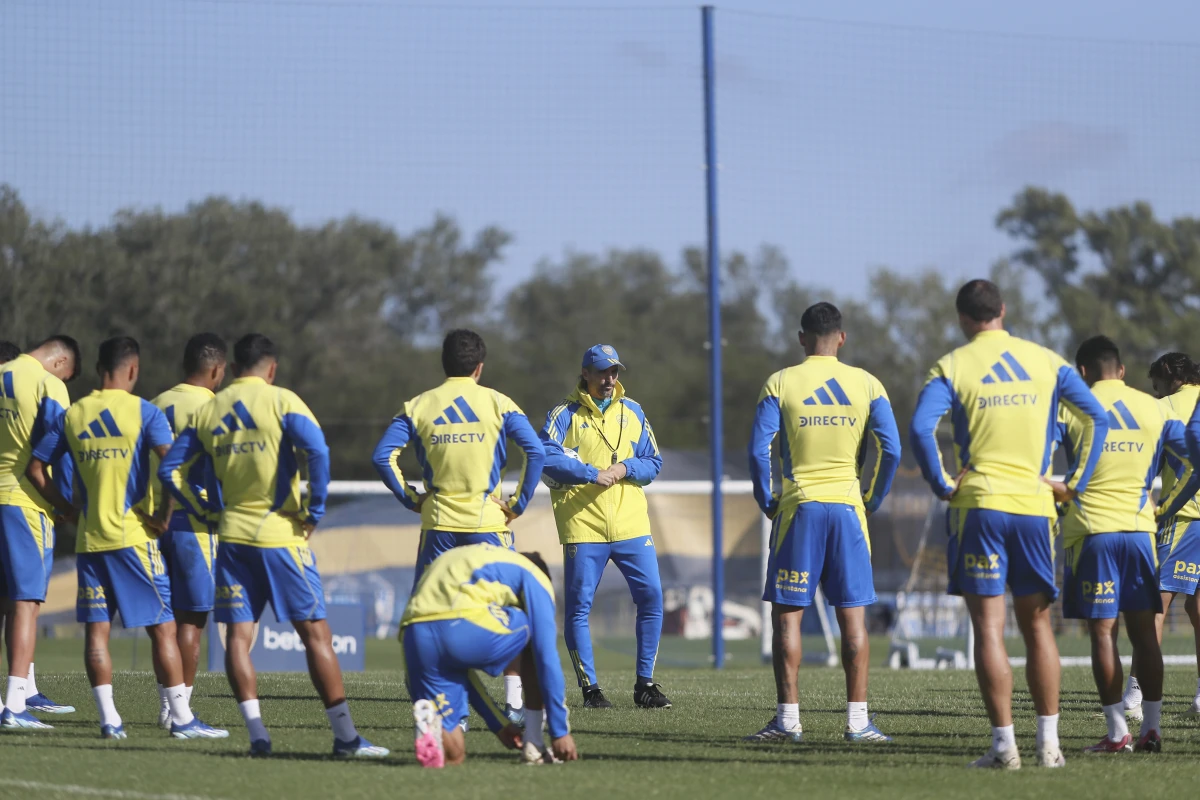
(355, 178)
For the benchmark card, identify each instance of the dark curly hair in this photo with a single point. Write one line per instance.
(1174, 367)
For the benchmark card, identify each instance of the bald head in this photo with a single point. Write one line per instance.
(60, 356)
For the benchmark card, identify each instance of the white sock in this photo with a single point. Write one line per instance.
(30, 683)
(1133, 692)
(856, 716)
(15, 698)
(1114, 715)
(162, 698)
(1151, 716)
(788, 715)
(1003, 738)
(342, 724)
(1047, 732)
(253, 717)
(181, 713)
(512, 691)
(188, 691)
(533, 727)
(106, 706)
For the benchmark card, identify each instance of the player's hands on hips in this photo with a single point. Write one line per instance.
(509, 514)
(305, 523)
(958, 479)
(420, 498)
(1062, 493)
(157, 526)
(71, 516)
(510, 737)
(564, 748)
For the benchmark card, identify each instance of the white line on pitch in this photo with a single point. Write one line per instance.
(92, 791)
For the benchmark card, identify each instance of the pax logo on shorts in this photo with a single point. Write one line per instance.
(1183, 568)
(1098, 588)
(791, 580)
(981, 562)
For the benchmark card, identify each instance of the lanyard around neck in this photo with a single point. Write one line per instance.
(620, 434)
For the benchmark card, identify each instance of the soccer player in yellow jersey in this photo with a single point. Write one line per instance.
(256, 439)
(476, 609)
(1176, 379)
(460, 432)
(189, 546)
(1108, 533)
(1003, 396)
(109, 435)
(827, 413)
(33, 398)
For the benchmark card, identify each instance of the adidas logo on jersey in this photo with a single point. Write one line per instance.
(1130, 424)
(828, 395)
(101, 427)
(1006, 370)
(456, 412)
(238, 419)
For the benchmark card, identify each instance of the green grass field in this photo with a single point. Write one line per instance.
(692, 750)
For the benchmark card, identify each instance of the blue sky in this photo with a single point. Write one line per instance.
(851, 134)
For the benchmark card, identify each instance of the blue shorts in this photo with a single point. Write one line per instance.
(441, 657)
(131, 581)
(1108, 573)
(820, 543)
(989, 549)
(248, 577)
(1179, 556)
(26, 553)
(190, 558)
(434, 543)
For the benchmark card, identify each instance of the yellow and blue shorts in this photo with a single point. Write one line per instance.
(191, 559)
(441, 658)
(825, 544)
(1108, 573)
(249, 577)
(434, 543)
(989, 549)
(1179, 556)
(131, 581)
(26, 553)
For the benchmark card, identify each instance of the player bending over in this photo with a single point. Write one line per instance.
(1003, 396)
(252, 434)
(189, 546)
(478, 608)
(1108, 535)
(109, 435)
(1176, 379)
(460, 431)
(825, 410)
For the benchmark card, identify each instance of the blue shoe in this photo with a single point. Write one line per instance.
(260, 748)
(867, 734)
(113, 732)
(198, 729)
(23, 721)
(774, 732)
(359, 748)
(44, 705)
(515, 715)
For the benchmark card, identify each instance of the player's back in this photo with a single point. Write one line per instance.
(1181, 404)
(461, 446)
(825, 409)
(472, 582)
(29, 396)
(109, 435)
(1004, 414)
(252, 430)
(179, 405)
(1118, 498)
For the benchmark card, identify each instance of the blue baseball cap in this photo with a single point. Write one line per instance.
(602, 356)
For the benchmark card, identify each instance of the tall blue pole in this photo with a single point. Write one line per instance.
(716, 427)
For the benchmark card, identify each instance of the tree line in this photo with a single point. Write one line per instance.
(359, 308)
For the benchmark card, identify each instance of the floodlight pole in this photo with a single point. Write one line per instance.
(716, 428)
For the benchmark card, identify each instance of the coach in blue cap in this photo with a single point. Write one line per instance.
(600, 452)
